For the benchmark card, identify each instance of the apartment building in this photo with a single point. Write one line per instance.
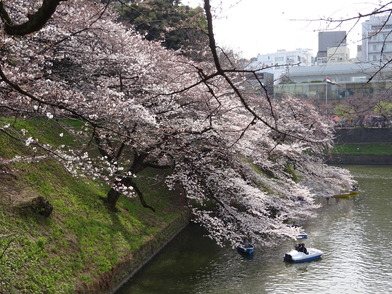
(377, 39)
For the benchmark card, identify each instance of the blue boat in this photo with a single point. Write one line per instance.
(245, 248)
(302, 236)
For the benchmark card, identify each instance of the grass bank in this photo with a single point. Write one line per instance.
(364, 149)
(81, 241)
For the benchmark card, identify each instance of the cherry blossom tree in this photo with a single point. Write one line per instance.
(244, 159)
(107, 77)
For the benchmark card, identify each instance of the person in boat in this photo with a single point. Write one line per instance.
(301, 248)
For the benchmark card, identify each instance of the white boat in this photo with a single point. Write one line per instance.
(298, 256)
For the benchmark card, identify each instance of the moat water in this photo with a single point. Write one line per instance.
(355, 235)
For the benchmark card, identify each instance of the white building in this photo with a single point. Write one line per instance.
(341, 73)
(377, 39)
(351, 79)
(277, 63)
(338, 55)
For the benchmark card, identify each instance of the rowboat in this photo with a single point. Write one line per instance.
(347, 195)
(344, 195)
(302, 255)
(302, 236)
(245, 248)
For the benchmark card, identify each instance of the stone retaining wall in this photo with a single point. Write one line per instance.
(363, 135)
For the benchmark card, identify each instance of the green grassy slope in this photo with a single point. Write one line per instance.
(366, 149)
(81, 240)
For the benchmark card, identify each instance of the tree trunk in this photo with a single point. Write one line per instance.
(113, 195)
(137, 166)
(112, 198)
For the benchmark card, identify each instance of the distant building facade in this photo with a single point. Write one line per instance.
(377, 39)
(276, 63)
(367, 75)
(327, 40)
(351, 80)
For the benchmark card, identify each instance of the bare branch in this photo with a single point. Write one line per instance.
(35, 21)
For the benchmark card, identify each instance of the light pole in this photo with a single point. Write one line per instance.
(326, 92)
(327, 81)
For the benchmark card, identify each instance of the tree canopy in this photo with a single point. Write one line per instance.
(175, 25)
(243, 159)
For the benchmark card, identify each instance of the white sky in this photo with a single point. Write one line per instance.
(259, 26)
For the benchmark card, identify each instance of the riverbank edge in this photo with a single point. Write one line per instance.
(110, 282)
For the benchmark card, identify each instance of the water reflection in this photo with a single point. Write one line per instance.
(355, 235)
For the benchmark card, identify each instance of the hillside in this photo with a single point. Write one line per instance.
(82, 245)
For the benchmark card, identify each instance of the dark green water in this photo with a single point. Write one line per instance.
(355, 235)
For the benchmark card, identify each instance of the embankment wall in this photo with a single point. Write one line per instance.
(362, 136)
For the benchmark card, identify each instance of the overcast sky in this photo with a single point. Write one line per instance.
(259, 26)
